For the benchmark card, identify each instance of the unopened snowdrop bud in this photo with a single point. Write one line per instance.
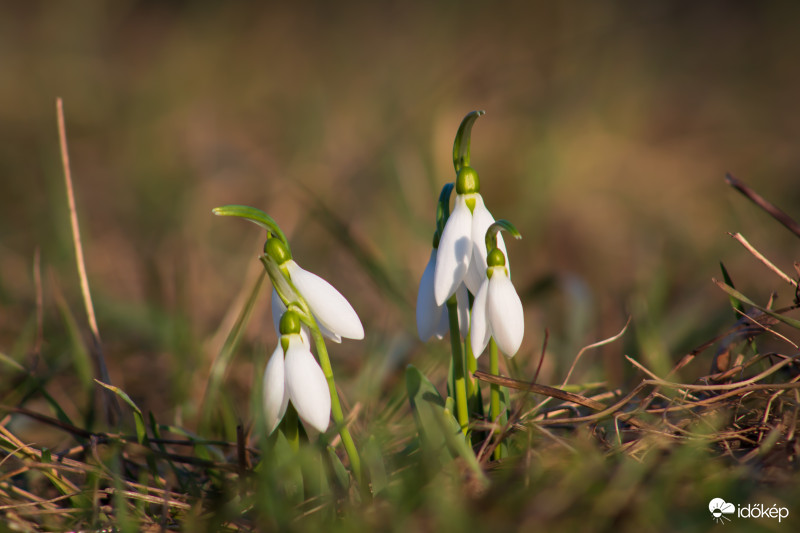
(497, 310)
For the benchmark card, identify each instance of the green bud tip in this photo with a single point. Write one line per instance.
(277, 250)
(290, 323)
(467, 181)
(496, 258)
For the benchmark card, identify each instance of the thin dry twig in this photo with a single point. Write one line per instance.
(757, 199)
(112, 408)
(738, 237)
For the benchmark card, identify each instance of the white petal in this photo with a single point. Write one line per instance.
(443, 327)
(308, 388)
(455, 252)
(479, 331)
(429, 315)
(330, 308)
(462, 297)
(276, 397)
(506, 318)
(481, 220)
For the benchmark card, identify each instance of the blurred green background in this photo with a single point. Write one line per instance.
(608, 132)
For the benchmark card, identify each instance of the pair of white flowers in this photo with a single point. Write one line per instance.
(293, 373)
(460, 264)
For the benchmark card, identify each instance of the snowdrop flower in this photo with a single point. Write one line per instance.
(334, 314)
(432, 319)
(293, 374)
(497, 310)
(462, 249)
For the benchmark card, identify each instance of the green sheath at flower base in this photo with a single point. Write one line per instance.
(467, 181)
(277, 250)
(256, 216)
(461, 144)
(496, 258)
(290, 323)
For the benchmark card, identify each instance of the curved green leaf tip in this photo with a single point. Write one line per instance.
(495, 228)
(461, 144)
(256, 216)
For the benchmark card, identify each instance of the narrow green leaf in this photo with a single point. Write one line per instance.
(744, 299)
(254, 215)
(341, 473)
(461, 144)
(11, 362)
(494, 229)
(439, 431)
(138, 418)
(373, 457)
(736, 304)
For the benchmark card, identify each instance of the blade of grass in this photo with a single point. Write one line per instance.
(138, 417)
(744, 299)
(112, 409)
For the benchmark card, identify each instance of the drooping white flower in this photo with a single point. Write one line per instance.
(432, 318)
(297, 377)
(497, 312)
(334, 314)
(462, 249)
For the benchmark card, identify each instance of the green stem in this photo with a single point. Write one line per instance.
(472, 366)
(494, 401)
(291, 429)
(459, 384)
(336, 408)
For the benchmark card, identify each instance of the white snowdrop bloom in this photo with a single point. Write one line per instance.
(334, 314)
(462, 248)
(432, 319)
(497, 312)
(297, 377)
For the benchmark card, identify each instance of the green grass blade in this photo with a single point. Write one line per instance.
(138, 418)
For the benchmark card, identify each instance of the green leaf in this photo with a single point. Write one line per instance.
(736, 304)
(462, 141)
(494, 229)
(744, 299)
(373, 457)
(254, 215)
(11, 362)
(341, 473)
(439, 431)
(141, 431)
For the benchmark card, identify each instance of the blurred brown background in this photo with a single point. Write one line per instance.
(608, 132)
